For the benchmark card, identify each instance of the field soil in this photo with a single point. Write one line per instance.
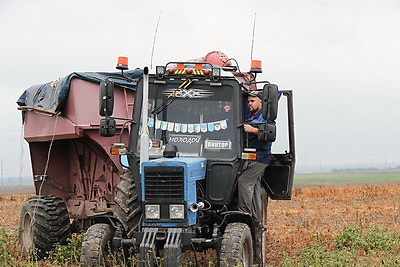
(322, 211)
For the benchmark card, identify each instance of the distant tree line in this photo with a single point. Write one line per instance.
(364, 169)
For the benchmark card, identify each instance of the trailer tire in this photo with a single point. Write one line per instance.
(127, 205)
(96, 245)
(44, 221)
(237, 246)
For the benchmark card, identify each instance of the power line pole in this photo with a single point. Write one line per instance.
(2, 177)
(386, 166)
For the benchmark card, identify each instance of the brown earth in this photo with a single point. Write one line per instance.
(10, 206)
(292, 225)
(325, 212)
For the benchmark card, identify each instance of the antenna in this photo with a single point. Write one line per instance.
(252, 40)
(154, 41)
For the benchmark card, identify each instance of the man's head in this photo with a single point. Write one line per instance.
(254, 103)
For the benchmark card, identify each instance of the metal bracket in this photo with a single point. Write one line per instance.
(147, 247)
(172, 248)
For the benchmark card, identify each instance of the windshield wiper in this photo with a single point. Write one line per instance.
(171, 97)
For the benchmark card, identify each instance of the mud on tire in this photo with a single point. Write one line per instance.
(44, 221)
(237, 246)
(127, 204)
(96, 245)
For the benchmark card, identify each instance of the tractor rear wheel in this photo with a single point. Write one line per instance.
(237, 246)
(44, 221)
(263, 253)
(96, 244)
(127, 205)
(260, 233)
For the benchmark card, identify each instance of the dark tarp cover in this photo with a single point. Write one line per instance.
(51, 96)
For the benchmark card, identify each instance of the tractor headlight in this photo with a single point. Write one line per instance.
(152, 211)
(176, 212)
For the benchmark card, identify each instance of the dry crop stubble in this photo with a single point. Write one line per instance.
(314, 213)
(322, 212)
(10, 207)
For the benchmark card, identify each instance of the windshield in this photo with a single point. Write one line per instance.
(199, 120)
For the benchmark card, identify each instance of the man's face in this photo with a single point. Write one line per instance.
(254, 103)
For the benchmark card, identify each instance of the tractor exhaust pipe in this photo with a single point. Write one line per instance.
(144, 137)
(194, 207)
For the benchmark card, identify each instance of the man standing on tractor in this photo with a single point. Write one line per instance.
(249, 181)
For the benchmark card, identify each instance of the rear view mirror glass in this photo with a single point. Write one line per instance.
(270, 102)
(106, 98)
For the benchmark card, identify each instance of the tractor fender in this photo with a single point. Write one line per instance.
(238, 216)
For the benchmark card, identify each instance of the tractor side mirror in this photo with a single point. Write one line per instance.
(106, 98)
(107, 127)
(267, 132)
(270, 102)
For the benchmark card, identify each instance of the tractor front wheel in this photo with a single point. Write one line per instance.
(237, 246)
(96, 244)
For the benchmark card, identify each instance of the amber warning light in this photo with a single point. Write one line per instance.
(256, 66)
(118, 149)
(122, 63)
(249, 153)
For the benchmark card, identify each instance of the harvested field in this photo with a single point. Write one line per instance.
(313, 213)
(316, 212)
(10, 206)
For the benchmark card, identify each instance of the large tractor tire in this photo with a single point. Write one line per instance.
(127, 205)
(237, 246)
(44, 221)
(97, 245)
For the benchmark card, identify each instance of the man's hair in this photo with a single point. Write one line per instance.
(254, 94)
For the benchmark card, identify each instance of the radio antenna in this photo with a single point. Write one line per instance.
(252, 40)
(154, 41)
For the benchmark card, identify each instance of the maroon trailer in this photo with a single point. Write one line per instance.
(75, 175)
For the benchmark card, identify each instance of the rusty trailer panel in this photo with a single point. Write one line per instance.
(69, 158)
(80, 112)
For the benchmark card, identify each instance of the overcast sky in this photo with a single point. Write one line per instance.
(341, 58)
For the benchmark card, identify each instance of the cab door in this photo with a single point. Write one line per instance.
(278, 176)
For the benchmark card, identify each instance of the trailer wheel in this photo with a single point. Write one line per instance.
(237, 246)
(127, 208)
(96, 244)
(44, 221)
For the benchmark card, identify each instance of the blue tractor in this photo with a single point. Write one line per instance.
(186, 149)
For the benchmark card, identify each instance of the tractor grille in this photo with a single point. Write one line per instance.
(163, 182)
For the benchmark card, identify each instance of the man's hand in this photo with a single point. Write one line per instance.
(250, 129)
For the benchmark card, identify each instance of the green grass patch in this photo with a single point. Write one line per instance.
(354, 246)
(10, 251)
(69, 254)
(348, 177)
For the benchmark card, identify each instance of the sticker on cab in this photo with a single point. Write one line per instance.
(217, 144)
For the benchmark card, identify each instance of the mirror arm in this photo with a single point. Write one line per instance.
(126, 77)
(123, 119)
(119, 78)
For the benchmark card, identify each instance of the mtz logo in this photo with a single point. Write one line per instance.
(189, 93)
